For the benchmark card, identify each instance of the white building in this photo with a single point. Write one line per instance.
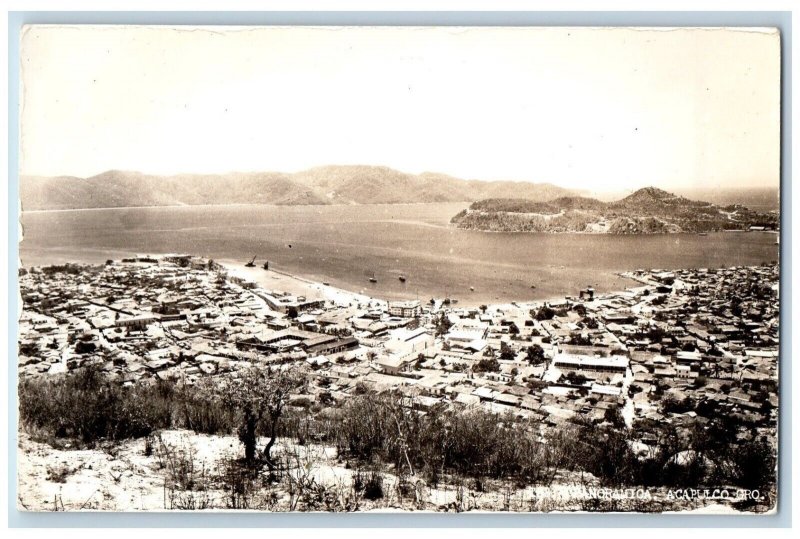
(404, 342)
(405, 309)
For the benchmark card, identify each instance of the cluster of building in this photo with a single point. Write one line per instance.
(677, 346)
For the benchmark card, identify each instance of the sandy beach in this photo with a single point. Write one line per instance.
(279, 281)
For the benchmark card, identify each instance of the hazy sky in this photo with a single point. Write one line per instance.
(586, 108)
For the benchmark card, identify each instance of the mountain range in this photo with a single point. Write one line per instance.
(353, 184)
(646, 211)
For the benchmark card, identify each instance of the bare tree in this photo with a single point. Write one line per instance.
(260, 395)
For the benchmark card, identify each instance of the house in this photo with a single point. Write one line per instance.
(467, 399)
(599, 389)
(684, 371)
(317, 361)
(393, 365)
(688, 358)
(484, 393)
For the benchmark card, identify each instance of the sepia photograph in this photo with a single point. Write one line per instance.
(398, 269)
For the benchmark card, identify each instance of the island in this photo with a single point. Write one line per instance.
(647, 211)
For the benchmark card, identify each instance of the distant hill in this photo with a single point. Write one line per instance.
(322, 185)
(647, 211)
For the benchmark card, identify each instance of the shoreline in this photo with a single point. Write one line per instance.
(282, 281)
(593, 233)
(295, 284)
(312, 285)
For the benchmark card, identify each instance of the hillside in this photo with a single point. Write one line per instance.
(647, 211)
(322, 185)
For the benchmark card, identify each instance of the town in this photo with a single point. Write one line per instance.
(679, 347)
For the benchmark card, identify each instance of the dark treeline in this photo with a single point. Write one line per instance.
(383, 430)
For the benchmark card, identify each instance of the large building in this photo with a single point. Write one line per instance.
(570, 362)
(404, 342)
(136, 322)
(405, 309)
(292, 338)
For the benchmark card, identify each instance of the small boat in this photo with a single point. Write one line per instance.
(251, 264)
(372, 278)
(266, 265)
(472, 289)
(402, 278)
(326, 283)
(702, 234)
(533, 286)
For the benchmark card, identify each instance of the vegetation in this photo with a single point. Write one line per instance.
(443, 324)
(487, 364)
(535, 354)
(506, 352)
(88, 408)
(381, 433)
(647, 211)
(543, 313)
(259, 397)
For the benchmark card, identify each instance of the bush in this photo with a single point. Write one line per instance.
(59, 474)
(544, 313)
(375, 428)
(369, 485)
(754, 465)
(85, 406)
(84, 347)
(199, 410)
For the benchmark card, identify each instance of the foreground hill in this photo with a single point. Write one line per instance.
(647, 211)
(321, 185)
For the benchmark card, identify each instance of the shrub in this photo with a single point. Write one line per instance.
(84, 347)
(754, 465)
(199, 409)
(85, 406)
(543, 313)
(374, 428)
(370, 485)
(59, 474)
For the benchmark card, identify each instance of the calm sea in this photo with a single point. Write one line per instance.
(346, 245)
